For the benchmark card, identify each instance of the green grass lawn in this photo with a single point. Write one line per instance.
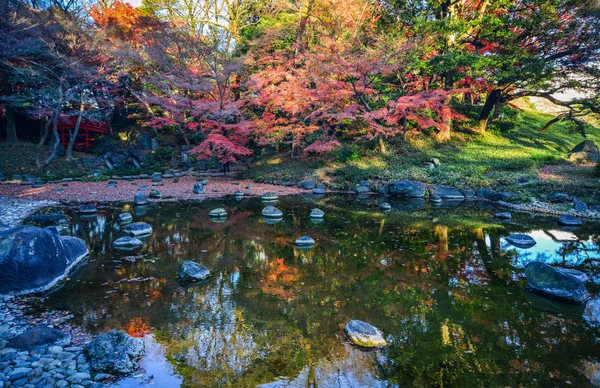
(495, 159)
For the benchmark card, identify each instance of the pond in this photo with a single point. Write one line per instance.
(442, 284)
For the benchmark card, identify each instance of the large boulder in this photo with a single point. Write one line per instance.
(190, 271)
(116, 353)
(409, 189)
(363, 334)
(585, 151)
(38, 336)
(446, 192)
(33, 259)
(307, 185)
(555, 283)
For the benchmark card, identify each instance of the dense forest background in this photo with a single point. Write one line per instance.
(230, 80)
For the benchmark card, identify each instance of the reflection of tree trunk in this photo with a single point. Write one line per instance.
(441, 232)
(483, 251)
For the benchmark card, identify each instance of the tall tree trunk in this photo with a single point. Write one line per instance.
(73, 134)
(491, 101)
(43, 137)
(56, 138)
(11, 129)
(305, 12)
(381, 143)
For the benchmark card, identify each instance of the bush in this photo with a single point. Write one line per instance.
(346, 153)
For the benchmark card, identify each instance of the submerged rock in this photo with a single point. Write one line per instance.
(272, 212)
(385, 206)
(88, 209)
(567, 220)
(363, 334)
(190, 271)
(269, 196)
(137, 229)
(115, 353)
(37, 337)
(304, 242)
(555, 283)
(140, 198)
(503, 216)
(125, 218)
(521, 240)
(409, 189)
(33, 259)
(127, 243)
(218, 213)
(317, 213)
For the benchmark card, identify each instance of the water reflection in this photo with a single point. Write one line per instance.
(441, 283)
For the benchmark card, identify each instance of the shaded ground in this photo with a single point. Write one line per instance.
(510, 153)
(125, 190)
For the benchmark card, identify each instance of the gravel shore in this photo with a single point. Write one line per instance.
(171, 189)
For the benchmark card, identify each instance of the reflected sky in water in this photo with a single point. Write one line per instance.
(442, 284)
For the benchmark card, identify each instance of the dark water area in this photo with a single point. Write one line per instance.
(442, 284)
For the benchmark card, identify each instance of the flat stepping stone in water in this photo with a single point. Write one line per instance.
(37, 185)
(272, 212)
(142, 188)
(503, 216)
(127, 243)
(137, 229)
(199, 188)
(304, 242)
(385, 206)
(521, 240)
(59, 189)
(125, 218)
(269, 196)
(190, 271)
(568, 220)
(235, 183)
(111, 185)
(157, 184)
(317, 213)
(155, 194)
(249, 187)
(218, 213)
(319, 190)
(140, 198)
(88, 209)
(554, 283)
(363, 334)
(239, 193)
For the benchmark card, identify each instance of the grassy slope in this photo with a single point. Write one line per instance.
(495, 159)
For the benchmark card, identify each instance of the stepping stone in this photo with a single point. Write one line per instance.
(521, 241)
(304, 242)
(364, 334)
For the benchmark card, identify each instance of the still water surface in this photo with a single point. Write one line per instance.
(442, 284)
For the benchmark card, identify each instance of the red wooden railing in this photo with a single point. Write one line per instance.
(88, 129)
